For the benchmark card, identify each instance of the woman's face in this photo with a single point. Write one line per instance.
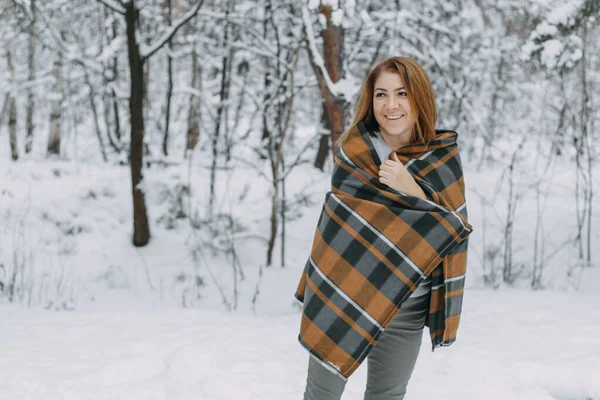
(392, 110)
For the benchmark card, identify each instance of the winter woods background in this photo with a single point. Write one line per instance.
(178, 151)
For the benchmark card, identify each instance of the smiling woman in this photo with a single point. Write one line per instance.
(400, 83)
(392, 110)
(389, 252)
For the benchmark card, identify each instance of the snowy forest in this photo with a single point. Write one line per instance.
(174, 155)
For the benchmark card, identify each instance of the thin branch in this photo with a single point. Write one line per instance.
(268, 52)
(299, 160)
(289, 105)
(19, 86)
(114, 5)
(4, 107)
(64, 47)
(148, 51)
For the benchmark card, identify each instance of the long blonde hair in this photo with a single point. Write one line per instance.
(420, 95)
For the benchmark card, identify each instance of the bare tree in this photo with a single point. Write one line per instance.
(195, 111)
(138, 55)
(10, 105)
(573, 73)
(54, 138)
(110, 78)
(509, 271)
(584, 158)
(283, 112)
(12, 128)
(165, 144)
(92, 98)
(31, 77)
(328, 70)
(266, 80)
(226, 63)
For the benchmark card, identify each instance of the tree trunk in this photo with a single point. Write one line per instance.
(268, 139)
(165, 144)
(53, 147)
(146, 103)
(30, 78)
(586, 146)
(195, 111)
(275, 146)
(110, 99)
(324, 138)
(282, 214)
(115, 100)
(266, 88)
(12, 128)
(273, 217)
(223, 98)
(95, 116)
(141, 228)
(115, 103)
(110, 102)
(333, 56)
(10, 105)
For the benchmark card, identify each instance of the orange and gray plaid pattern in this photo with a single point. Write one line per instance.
(374, 245)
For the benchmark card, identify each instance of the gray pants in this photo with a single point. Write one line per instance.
(390, 362)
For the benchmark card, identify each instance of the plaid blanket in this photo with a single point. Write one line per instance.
(373, 245)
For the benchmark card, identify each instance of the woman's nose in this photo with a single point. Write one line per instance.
(392, 102)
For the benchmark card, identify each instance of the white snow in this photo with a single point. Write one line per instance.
(128, 337)
(551, 52)
(511, 345)
(147, 50)
(334, 4)
(556, 51)
(337, 17)
(182, 318)
(563, 12)
(348, 88)
(111, 49)
(313, 4)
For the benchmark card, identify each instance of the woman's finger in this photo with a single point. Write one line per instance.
(387, 170)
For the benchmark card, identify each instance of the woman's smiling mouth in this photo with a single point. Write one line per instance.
(394, 117)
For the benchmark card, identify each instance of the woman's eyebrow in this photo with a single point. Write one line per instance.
(385, 90)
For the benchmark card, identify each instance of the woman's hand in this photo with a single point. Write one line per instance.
(395, 175)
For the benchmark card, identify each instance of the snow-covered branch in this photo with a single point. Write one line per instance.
(114, 5)
(313, 53)
(556, 39)
(64, 47)
(147, 51)
(239, 21)
(25, 85)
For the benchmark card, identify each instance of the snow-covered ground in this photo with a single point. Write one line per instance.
(196, 313)
(512, 345)
(96, 318)
(67, 227)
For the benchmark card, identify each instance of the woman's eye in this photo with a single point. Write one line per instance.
(401, 93)
(379, 94)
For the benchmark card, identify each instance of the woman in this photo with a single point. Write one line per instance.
(389, 252)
